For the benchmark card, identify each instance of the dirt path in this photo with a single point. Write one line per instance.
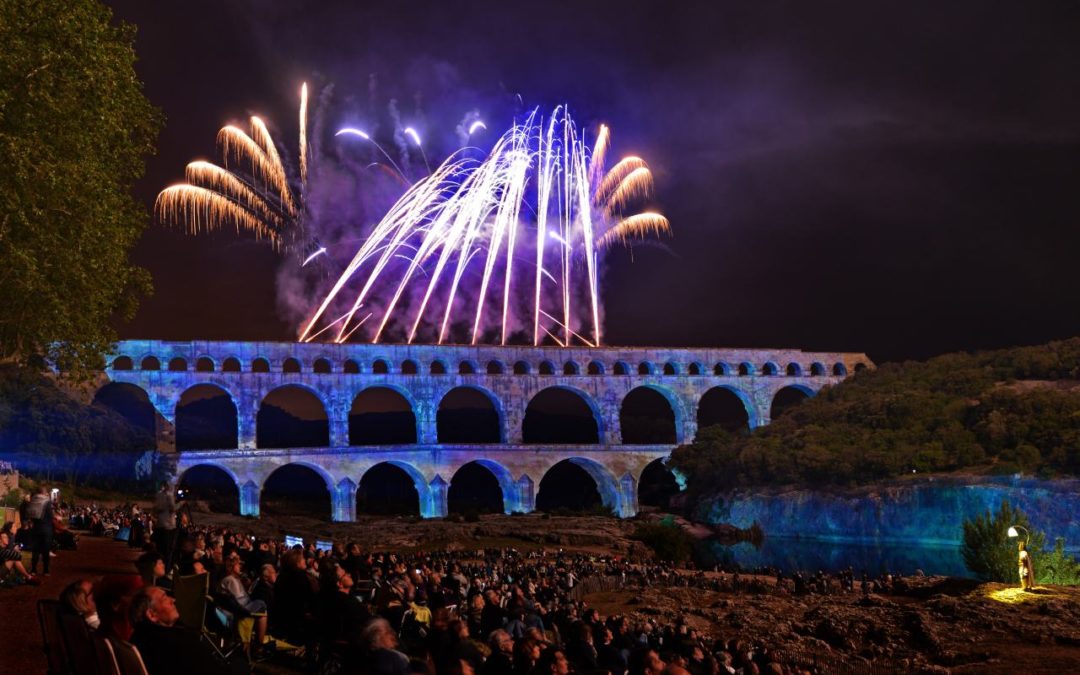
(20, 633)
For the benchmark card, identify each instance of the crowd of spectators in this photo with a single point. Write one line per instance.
(349, 607)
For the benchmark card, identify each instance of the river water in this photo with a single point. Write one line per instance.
(811, 555)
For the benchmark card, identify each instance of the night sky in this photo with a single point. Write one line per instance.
(902, 181)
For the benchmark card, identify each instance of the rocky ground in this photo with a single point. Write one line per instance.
(928, 624)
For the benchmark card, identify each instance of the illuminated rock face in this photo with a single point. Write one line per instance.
(925, 512)
(510, 377)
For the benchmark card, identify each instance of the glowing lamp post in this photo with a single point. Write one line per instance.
(1013, 533)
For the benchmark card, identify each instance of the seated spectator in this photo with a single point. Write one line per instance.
(151, 567)
(380, 643)
(232, 586)
(263, 587)
(78, 598)
(112, 597)
(501, 661)
(167, 649)
(11, 557)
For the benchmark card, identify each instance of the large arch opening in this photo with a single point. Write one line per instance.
(474, 488)
(722, 407)
(291, 417)
(133, 404)
(568, 486)
(381, 416)
(785, 399)
(657, 485)
(386, 489)
(468, 415)
(295, 489)
(560, 416)
(212, 486)
(646, 418)
(205, 419)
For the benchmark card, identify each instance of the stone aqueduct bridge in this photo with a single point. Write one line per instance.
(423, 374)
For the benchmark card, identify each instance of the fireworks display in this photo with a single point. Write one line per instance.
(503, 247)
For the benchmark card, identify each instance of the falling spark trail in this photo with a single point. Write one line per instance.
(411, 133)
(350, 131)
(476, 125)
(316, 254)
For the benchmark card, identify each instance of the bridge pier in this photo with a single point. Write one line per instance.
(249, 499)
(343, 502)
(436, 506)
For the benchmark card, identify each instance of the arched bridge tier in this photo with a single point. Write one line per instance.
(606, 384)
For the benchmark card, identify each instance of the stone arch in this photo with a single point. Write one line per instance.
(297, 487)
(495, 367)
(839, 370)
(230, 365)
(770, 369)
(206, 418)
(292, 416)
(482, 486)
(670, 368)
(571, 368)
(727, 407)
(381, 490)
(466, 368)
(817, 369)
(131, 402)
(596, 368)
(786, 397)
(383, 415)
(521, 368)
(724, 369)
(290, 365)
(657, 484)
(793, 370)
(859, 367)
(470, 414)
(621, 368)
(646, 368)
(123, 363)
(150, 363)
(694, 369)
(746, 369)
(438, 367)
(260, 365)
(204, 364)
(648, 416)
(380, 367)
(177, 364)
(350, 367)
(552, 492)
(213, 484)
(409, 367)
(562, 415)
(322, 366)
(546, 368)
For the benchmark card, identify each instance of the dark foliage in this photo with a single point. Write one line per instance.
(1002, 411)
(988, 550)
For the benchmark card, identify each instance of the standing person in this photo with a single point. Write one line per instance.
(1027, 569)
(41, 514)
(165, 524)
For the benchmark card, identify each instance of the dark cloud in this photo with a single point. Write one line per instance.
(896, 179)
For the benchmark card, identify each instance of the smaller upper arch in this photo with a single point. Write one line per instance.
(724, 368)
(350, 367)
(230, 365)
(260, 365)
(150, 363)
(204, 364)
(438, 367)
(322, 366)
(409, 367)
(694, 368)
(817, 369)
(595, 368)
(178, 364)
(466, 367)
(770, 369)
(521, 368)
(571, 368)
(839, 369)
(495, 367)
(122, 363)
(290, 365)
(670, 368)
(860, 366)
(793, 370)
(746, 369)
(380, 367)
(621, 368)
(646, 368)
(546, 368)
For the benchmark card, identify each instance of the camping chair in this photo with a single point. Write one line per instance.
(199, 612)
(104, 656)
(78, 645)
(52, 640)
(128, 658)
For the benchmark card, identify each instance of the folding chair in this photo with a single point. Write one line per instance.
(128, 658)
(52, 639)
(104, 656)
(199, 612)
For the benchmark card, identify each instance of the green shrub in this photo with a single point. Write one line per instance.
(13, 498)
(1057, 566)
(988, 550)
(668, 542)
